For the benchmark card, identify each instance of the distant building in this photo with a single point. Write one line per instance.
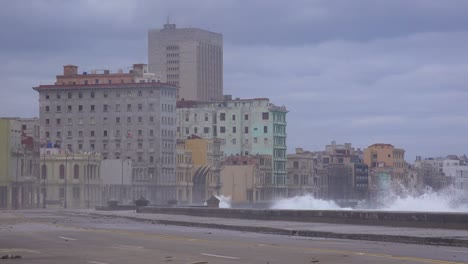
(301, 178)
(118, 183)
(386, 155)
(245, 127)
(184, 173)
(19, 163)
(121, 115)
(248, 179)
(338, 174)
(189, 58)
(71, 180)
(429, 173)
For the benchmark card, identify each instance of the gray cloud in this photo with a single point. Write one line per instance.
(356, 71)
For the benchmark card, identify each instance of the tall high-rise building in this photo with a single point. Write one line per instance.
(189, 58)
(121, 115)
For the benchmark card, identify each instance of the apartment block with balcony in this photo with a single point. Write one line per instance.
(245, 127)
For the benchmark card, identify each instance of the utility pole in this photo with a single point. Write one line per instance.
(65, 191)
(16, 183)
(87, 180)
(44, 177)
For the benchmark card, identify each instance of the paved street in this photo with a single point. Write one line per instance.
(62, 237)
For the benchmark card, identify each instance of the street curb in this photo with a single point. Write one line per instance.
(433, 241)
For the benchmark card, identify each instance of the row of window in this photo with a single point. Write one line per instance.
(105, 108)
(105, 94)
(222, 130)
(165, 120)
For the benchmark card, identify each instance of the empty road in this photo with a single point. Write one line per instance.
(47, 236)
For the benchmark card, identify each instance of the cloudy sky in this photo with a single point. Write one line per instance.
(361, 71)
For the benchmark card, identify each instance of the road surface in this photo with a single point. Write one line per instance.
(63, 237)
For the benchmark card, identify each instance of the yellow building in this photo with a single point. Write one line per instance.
(184, 173)
(205, 161)
(18, 165)
(71, 180)
(386, 156)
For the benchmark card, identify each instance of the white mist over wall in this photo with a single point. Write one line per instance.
(224, 201)
(305, 202)
(448, 200)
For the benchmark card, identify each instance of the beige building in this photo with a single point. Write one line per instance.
(386, 156)
(184, 173)
(301, 178)
(189, 58)
(19, 175)
(248, 179)
(198, 169)
(71, 180)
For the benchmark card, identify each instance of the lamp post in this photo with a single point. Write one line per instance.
(18, 148)
(122, 182)
(44, 177)
(87, 180)
(65, 176)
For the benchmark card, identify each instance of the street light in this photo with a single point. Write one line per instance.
(18, 148)
(122, 183)
(44, 177)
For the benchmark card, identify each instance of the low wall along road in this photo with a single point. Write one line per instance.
(378, 218)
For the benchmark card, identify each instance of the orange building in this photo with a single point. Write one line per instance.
(386, 156)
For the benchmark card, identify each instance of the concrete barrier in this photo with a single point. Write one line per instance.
(116, 208)
(378, 218)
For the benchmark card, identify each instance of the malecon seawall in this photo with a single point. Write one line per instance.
(377, 218)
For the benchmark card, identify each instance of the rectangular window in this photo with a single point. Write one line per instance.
(140, 133)
(255, 140)
(47, 108)
(70, 122)
(246, 130)
(265, 129)
(151, 119)
(129, 119)
(265, 116)
(104, 108)
(59, 108)
(140, 119)
(59, 134)
(129, 107)
(105, 133)
(80, 133)
(58, 121)
(187, 131)
(91, 133)
(206, 130)
(246, 117)
(206, 117)
(80, 108)
(80, 95)
(69, 95)
(234, 130)
(47, 121)
(117, 120)
(117, 107)
(222, 116)
(195, 130)
(140, 107)
(233, 117)
(150, 107)
(69, 108)
(92, 108)
(69, 133)
(151, 133)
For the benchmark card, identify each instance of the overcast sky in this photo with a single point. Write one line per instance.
(367, 71)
